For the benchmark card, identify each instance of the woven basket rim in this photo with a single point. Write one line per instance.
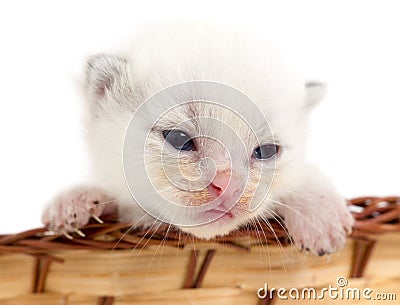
(373, 215)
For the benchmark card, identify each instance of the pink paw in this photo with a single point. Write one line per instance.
(73, 209)
(320, 225)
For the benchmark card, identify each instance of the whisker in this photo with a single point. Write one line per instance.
(158, 246)
(280, 246)
(253, 220)
(148, 239)
(105, 202)
(164, 240)
(266, 253)
(131, 228)
(279, 220)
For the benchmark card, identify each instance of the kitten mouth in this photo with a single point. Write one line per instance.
(222, 210)
(218, 214)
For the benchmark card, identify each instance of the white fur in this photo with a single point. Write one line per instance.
(315, 214)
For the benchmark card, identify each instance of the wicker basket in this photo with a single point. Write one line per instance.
(114, 265)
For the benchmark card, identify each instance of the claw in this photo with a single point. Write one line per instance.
(79, 232)
(50, 232)
(95, 217)
(67, 235)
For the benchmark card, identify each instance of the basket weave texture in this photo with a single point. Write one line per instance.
(115, 264)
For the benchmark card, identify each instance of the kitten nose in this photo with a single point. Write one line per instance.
(224, 184)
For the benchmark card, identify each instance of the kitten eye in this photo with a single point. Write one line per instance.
(265, 152)
(178, 139)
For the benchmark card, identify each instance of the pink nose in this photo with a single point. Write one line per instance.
(224, 185)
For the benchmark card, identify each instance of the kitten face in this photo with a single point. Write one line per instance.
(199, 154)
(216, 168)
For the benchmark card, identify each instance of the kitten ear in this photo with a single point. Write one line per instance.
(104, 72)
(315, 92)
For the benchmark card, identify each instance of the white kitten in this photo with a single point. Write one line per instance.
(267, 151)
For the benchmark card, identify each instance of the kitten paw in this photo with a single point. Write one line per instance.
(319, 224)
(73, 209)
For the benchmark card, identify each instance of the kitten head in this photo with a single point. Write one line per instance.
(213, 124)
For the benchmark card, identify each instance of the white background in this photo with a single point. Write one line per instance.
(353, 45)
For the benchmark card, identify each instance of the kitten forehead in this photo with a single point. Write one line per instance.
(197, 52)
(193, 52)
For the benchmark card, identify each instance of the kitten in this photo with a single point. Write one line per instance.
(202, 153)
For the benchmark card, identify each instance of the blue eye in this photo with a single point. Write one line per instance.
(265, 152)
(178, 139)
